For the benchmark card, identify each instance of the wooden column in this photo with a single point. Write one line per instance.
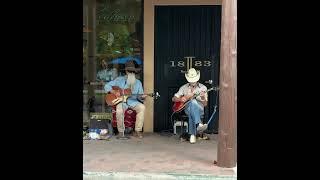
(91, 45)
(227, 142)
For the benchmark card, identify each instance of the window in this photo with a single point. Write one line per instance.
(119, 38)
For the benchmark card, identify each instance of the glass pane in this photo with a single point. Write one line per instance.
(85, 63)
(118, 38)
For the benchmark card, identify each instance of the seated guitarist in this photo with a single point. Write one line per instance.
(124, 82)
(195, 107)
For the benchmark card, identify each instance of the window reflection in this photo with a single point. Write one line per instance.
(119, 37)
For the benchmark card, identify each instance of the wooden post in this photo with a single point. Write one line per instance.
(227, 142)
(91, 45)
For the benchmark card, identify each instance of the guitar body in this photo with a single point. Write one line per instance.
(178, 106)
(124, 92)
(110, 97)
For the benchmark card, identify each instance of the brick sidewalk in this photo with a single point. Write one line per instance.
(153, 154)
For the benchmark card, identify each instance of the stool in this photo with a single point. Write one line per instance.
(182, 124)
(129, 117)
(183, 119)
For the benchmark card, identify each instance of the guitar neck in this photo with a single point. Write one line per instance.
(140, 94)
(196, 95)
(94, 83)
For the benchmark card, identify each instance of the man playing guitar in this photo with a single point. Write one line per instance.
(125, 82)
(194, 108)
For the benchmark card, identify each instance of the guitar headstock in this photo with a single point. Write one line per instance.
(210, 89)
(213, 89)
(156, 95)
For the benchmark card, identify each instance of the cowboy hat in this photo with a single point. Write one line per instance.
(192, 75)
(130, 66)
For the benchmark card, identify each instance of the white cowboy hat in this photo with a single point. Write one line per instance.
(192, 75)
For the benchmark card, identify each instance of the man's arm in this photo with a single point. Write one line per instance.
(108, 89)
(203, 98)
(108, 86)
(141, 91)
(140, 88)
(205, 103)
(178, 97)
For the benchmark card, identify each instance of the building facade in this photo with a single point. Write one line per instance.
(143, 29)
(166, 38)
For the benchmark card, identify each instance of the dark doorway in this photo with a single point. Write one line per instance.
(185, 36)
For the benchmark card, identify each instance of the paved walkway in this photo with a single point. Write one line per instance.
(155, 154)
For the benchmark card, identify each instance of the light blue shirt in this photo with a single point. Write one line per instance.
(121, 82)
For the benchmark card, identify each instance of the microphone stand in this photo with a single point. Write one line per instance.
(205, 126)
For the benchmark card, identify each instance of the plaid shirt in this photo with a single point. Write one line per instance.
(187, 89)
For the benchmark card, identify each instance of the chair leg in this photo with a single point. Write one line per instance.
(187, 129)
(182, 126)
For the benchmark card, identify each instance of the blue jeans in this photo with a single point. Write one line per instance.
(194, 111)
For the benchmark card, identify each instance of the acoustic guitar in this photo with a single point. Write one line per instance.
(109, 98)
(179, 106)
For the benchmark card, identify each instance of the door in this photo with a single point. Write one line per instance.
(185, 37)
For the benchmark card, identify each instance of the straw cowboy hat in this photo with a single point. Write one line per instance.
(192, 75)
(130, 66)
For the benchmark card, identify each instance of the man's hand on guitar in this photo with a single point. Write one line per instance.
(202, 96)
(116, 101)
(120, 99)
(183, 99)
(143, 96)
(117, 93)
(188, 96)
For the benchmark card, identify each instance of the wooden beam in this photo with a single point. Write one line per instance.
(91, 45)
(148, 63)
(227, 143)
(186, 2)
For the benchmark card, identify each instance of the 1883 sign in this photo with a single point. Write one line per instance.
(189, 62)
